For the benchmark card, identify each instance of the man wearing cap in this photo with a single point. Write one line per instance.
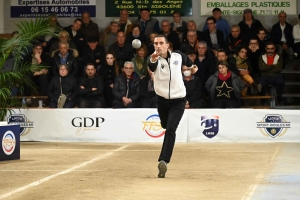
(125, 23)
(94, 53)
(148, 24)
(88, 28)
(282, 35)
(110, 36)
(249, 25)
(222, 24)
(296, 35)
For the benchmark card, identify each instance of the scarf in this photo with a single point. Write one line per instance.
(224, 78)
(239, 60)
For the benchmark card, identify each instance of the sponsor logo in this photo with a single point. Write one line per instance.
(210, 126)
(87, 124)
(8, 142)
(152, 126)
(20, 119)
(273, 125)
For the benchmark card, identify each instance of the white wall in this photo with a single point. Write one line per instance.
(7, 23)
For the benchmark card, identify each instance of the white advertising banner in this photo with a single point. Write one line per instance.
(93, 125)
(258, 7)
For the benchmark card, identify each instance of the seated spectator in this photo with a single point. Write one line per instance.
(171, 35)
(243, 64)
(110, 35)
(109, 72)
(65, 84)
(191, 43)
(147, 23)
(146, 90)
(93, 53)
(270, 65)
(282, 36)
(263, 37)
(249, 25)
(213, 37)
(136, 34)
(125, 23)
(234, 40)
(296, 35)
(191, 26)
(122, 50)
(178, 25)
(140, 61)
(193, 86)
(91, 89)
(65, 56)
(75, 35)
(63, 37)
(224, 87)
(222, 24)
(150, 46)
(88, 28)
(126, 88)
(253, 55)
(222, 55)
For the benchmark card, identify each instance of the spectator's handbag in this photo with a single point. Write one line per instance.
(62, 97)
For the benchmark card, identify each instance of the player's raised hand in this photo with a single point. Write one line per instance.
(154, 56)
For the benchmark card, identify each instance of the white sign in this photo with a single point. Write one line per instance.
(258, 7)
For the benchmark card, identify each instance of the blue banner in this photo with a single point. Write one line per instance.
(10, 142)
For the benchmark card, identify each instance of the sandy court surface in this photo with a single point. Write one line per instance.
(129, 171)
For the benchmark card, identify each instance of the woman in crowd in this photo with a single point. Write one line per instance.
(140, 61)
(109, 72)
(136, 33)
(243, 64)
(224, 87)
(63, 84)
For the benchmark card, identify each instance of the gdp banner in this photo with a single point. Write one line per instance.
(43, 8)
(258, 7)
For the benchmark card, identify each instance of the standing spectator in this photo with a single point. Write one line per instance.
(109, 72)
(65, 84)
(126, 88)
(191, 26)
(249, 25)
(122, 50)
(147, 93)
(88, 28)
(125, 23)
(65, 56)
(193, 86)
(148, 24)
(136, 33)
(94, 53)
(178, 25)
(91, 89)
(213, 37)
(270, 65)
(171, 35)
(296, 35)
(75, 34)
(282, 36)
(224, 87)
(110, 35)
(222, 24)
(140, 61)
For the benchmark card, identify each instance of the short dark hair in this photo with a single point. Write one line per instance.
(261, 29)
(78, 19)
(240, 48)
(222, 51)
(211, 18)
(163, 36)
(270, 43)
(89, 64)
(176, 12)
(223, 62)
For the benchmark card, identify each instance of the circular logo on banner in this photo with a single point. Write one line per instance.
(8, 142)
(152, 126)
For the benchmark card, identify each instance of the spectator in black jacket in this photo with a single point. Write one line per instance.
(91, 89)
(94, 53)
(122, 50)
(150, 46)
(191, 26)
(147, 93)
(234, 40)
(65, 84)
(171, 35)
(136, 33)
(191, 43)
(282, 35)
(65, 56)
(126, 88)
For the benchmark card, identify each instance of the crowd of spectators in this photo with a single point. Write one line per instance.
(107, 72)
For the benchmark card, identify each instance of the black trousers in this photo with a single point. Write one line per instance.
(225, 103)
(277, 81)
(85, 103)
(170, 113)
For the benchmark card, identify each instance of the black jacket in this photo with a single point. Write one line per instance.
(90, 56)
(87, 93)
(199, 36)
(69, 88)
(173, 37)
(249, 32)
(125, 54)
(71, 62)
(130, 38)
(220, 38)
(120, 87)
(144, 93)
(276, 34)
(193, 89)
(232, 44)
(208, 68)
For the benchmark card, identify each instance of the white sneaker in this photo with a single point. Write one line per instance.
(162, 168)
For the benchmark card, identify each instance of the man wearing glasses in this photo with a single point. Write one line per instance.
(270, 65)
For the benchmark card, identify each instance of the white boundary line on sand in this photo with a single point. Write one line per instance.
(259, 177)
(62, 172)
